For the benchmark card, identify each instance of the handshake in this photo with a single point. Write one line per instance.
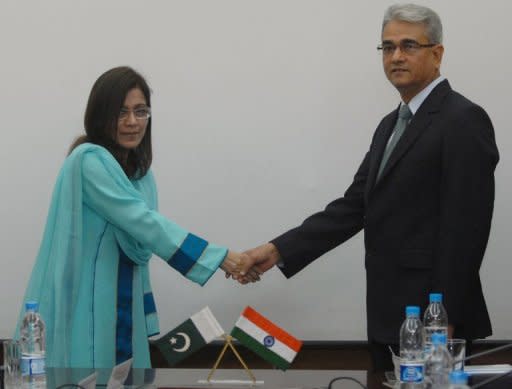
(250, 265)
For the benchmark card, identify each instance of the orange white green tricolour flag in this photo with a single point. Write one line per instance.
(266, 339)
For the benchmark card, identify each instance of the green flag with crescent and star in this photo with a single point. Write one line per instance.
(189, 336)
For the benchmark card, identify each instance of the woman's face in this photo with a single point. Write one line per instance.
(133, 120)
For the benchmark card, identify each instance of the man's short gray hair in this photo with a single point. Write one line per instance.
(413, 13)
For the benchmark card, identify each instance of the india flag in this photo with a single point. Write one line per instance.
(266, 339)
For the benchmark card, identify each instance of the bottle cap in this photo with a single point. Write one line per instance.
(31, 306)
(458, 377)
(436, 297)
(412, 310)
(438, 338)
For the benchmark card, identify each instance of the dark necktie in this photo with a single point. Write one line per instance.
(404, 115)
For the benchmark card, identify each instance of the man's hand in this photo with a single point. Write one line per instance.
(451, 329)
(264, 257)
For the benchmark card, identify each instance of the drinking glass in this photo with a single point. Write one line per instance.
(457, 349)
(12, 358)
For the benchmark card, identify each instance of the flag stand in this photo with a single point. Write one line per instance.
(229, 343)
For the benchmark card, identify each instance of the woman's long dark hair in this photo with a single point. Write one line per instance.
(102, 114)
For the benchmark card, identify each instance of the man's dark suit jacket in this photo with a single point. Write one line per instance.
(426, 220)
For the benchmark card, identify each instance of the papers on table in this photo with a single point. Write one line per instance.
(119, 374)
(487, 369)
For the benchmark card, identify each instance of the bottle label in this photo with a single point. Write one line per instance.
(32, 365)
(411, 372)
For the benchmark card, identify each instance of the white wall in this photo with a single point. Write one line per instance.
(263, 111)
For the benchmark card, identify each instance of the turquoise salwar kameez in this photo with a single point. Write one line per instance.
(91, 274)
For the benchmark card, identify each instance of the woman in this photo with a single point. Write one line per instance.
(91, 274)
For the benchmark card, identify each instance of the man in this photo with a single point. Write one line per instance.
(423, 194)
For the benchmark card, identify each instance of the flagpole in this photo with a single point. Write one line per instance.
(214, 368)
(230, 344)
(229, 339)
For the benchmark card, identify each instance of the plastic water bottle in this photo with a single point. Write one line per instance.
(459, 380)
(435, 319)
(439, 363)
(32, 341)
(412, 344)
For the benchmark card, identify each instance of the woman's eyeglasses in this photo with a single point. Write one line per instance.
(139, 113)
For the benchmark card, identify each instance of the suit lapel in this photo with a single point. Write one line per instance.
(418, 125)
(379, 145)
(415, 128)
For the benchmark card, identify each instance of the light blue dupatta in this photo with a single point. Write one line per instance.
(56, 276)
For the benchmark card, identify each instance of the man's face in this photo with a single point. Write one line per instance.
(413, 69)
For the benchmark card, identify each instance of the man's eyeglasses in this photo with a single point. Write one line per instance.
(142, 113)
(407, 46)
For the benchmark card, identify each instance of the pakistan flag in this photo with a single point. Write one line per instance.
(189, 336)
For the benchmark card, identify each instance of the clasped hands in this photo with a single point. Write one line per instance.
(250, 265)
